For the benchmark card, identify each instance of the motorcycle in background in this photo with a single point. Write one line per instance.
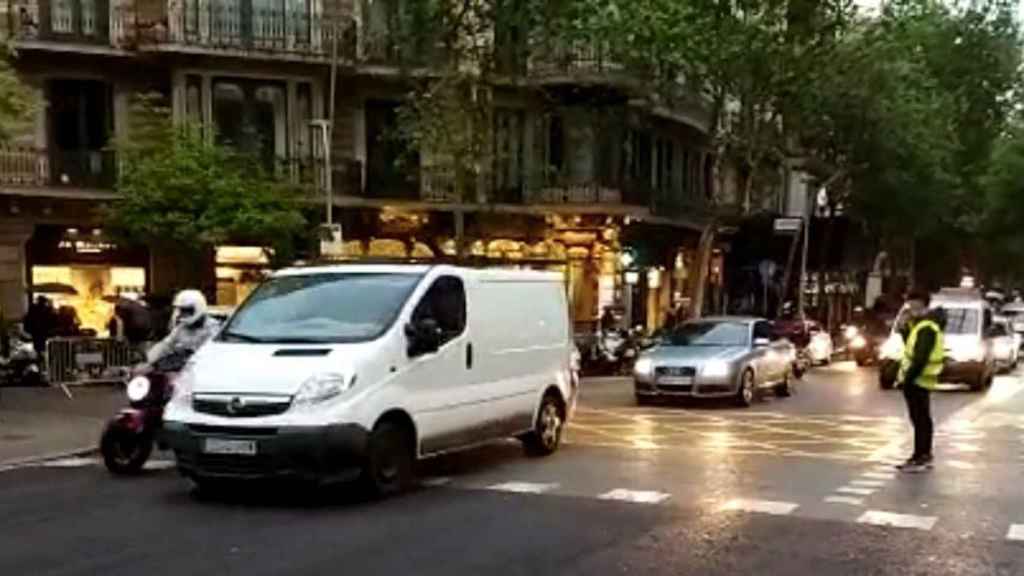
(22, 366)
(614, 352)
(129, 437)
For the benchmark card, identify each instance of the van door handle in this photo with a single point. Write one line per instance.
(469, 356)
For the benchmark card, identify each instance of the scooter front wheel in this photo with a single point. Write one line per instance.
(125, 452)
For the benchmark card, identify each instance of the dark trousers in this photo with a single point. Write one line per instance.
(919, 406)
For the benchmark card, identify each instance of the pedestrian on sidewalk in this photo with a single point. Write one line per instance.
(923, 355)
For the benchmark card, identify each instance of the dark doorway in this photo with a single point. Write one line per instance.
(391, 170)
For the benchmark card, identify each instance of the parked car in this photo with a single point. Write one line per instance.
(1014, 312)
(1005, 344)
(736, 357)
(356, 371)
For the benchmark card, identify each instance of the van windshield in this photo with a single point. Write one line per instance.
(962, 320)
(321, 308)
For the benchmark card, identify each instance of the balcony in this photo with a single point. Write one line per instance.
(63, 21)
(247, 27)
(605, 191)
(81, 169)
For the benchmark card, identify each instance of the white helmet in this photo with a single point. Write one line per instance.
(189, 307)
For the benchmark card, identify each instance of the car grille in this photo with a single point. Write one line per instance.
(238, 431)
(676, 388)
(675, 371)
(240, 406)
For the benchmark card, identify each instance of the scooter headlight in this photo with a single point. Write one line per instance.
(858, 342)
(138, 388)
(851, 332)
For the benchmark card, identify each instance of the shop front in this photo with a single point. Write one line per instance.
(79, 269)
(240, 269)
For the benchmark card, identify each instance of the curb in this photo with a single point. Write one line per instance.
(32, 460)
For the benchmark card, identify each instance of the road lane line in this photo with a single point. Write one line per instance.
(159, 465)
(879, 475)
(855, 490)
(959, 464)
(73, 462)
(881, 518)
(524, 487)
(635, 496)
(852, 501)
(868, 483)
(1016, 532)
(761, 506)
(436, 482)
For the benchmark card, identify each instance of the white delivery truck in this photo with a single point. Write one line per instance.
(347, 371)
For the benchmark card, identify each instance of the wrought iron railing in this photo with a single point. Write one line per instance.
(23, 166)
(247, 25)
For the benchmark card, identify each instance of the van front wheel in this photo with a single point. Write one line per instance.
(389, 462)
(547, 432)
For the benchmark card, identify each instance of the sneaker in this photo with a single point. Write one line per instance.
(914, 466)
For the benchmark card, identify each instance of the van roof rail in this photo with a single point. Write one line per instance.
(464, 261)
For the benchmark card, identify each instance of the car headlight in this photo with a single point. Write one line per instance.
(644, 367)
(322, 387)
(715, 369)
(858, 342)
(138, 389)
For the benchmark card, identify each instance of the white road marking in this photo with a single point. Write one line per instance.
(436, 482)
(524, 487)
(880, 518)
(855, 490)
(959, 464)
(879, 475)
(72, 462)
(761, 506)
(1016, 532)
(845, 500)
(159, 465)
(636, 496)
(965, 447)
(868, 483)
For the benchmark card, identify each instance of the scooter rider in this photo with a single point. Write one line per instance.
(192, 326)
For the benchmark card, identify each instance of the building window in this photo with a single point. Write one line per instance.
(194, 99)
(556, 144)
(252, 116)
(663, 169)
(508, 154)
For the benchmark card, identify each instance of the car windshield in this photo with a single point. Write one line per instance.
(962, 320)
(321, 308)
(709, 334)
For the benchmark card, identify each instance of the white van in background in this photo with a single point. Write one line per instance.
(356, 370)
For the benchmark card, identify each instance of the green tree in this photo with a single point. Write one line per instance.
(17, 101)
(181, 192)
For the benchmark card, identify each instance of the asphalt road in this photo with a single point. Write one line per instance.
(792, 486)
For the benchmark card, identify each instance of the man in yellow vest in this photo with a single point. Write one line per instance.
(923, 355)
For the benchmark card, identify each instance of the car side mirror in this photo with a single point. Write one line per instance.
(424, 337)
(762, 342)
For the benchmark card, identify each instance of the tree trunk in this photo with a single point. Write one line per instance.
(704, 248)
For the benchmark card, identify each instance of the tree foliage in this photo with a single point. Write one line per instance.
(180, 190)
(17, 101)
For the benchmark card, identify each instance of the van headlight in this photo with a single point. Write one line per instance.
(643, 367)
(322, 387)
(892, 349)
(138, 389)
(715, 369)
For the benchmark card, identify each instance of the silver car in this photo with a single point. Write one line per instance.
(716, 358)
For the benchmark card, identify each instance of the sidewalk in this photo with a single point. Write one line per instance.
(39, 423)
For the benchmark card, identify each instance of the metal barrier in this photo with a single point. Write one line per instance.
(89, 360)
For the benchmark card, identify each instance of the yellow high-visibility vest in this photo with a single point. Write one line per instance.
(929, 378)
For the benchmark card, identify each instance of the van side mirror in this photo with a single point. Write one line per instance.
(424, 337)
(761, 342)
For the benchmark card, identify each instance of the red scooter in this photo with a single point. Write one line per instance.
(129, 437)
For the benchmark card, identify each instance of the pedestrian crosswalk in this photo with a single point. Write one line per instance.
(847, 503)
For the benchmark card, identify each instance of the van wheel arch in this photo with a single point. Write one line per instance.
(402, 419)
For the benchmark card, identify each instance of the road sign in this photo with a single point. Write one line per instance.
(788, 225)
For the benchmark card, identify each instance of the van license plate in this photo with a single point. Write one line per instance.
(239, 447)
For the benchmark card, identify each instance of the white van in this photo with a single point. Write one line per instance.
(331, 373)
(969, 353)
